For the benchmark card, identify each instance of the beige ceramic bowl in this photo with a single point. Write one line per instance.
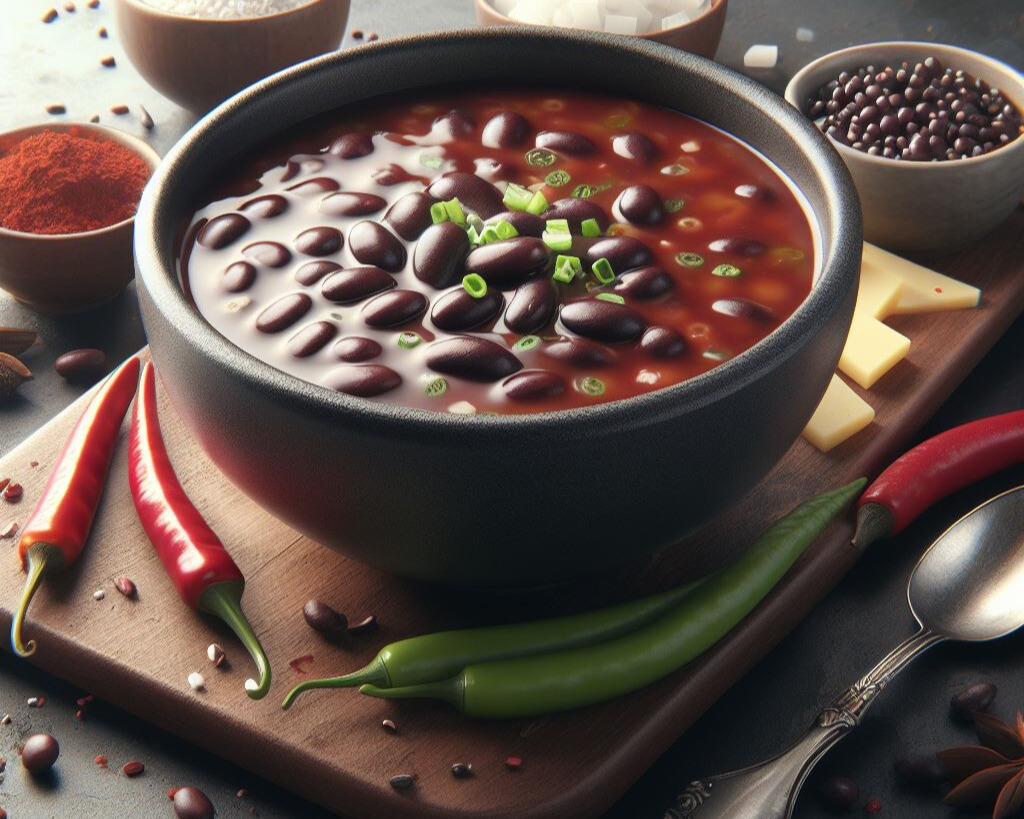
(700, 36)
(199, 62)
(70, 272)
(927, 206)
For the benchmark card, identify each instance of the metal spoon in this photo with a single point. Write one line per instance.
(968, 585)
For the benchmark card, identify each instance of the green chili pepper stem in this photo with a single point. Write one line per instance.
(225, 601)
(40, 559)
(451, 691)
(376, 673)
(874, 522)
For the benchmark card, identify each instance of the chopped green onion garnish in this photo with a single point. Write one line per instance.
(540, 157)
(591, 385)
(527, 342)
(612, 297)
(453, 207)
(590, 228)
(717, 355)
(475, 221)
(489, 234)
(557, 226)
(675, 170)
(557, 178)
(538, 204)
(474, 237)
(435, 387)
(602, 270)
(409, 340)
(566, 268)
(429, 161)
(690, 259)
(438, 213)
(516, 197)
(505, 230)
(475, 285)
(557, 241)
(674, 205)
(727, 270)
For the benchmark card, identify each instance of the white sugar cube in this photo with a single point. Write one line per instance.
(587, 14)
(805, 35)
(503, 6)
(535, 12)
(636, 9)
(761, 56)
(618, 24)
(676, 19)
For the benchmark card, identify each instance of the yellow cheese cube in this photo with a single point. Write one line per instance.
(872, 349)
(878, 292)
(924, 290)
(841, 414)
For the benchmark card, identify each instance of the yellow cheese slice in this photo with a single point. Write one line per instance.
(841, 414)
(878, 292)
(872, 349)
(924, 290)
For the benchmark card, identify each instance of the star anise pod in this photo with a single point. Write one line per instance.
(992, 773)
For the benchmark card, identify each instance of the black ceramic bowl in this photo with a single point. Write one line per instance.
(521, 500)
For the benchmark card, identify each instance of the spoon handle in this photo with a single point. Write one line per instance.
(769, 790)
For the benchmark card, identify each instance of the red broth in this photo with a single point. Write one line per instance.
(310, 265)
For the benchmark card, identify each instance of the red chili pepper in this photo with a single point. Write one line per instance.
(200, 567)
(56, 532)
(937, 468)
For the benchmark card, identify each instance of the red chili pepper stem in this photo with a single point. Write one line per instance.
(39, 560)
(224, 600)
(874, 522)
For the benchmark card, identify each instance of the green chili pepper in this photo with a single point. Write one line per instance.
(539, 684)
(436, 657)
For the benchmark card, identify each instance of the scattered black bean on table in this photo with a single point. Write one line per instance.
(324, 619)
(39, 753)
(921, 113)
(972, 700)
(840, 792)
(192, 803)
(922, 771)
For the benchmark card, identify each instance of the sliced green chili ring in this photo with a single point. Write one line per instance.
(689, 259)
(727, 271)
(429, 161)
(583, 191)
(527, 342)
(557, 241)
(435, 387)
(438, 213)
(505, 230)
(566, 268)
(409, 339)
(475, 285)
(674, 205)
(538, 204)
(557, 178)
(590, 385)
(612, 297)
(716, 354)
(516, 197)
(453, 207)
(540, 157)
(602, 270)
(474, 237)
(590, 228)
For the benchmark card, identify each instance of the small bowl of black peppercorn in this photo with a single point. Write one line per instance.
(932, 134)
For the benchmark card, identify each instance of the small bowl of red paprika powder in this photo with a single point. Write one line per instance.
(68, 196)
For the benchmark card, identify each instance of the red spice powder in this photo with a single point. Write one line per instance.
(58, 182)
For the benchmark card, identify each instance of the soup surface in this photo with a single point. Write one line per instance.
(505, 251)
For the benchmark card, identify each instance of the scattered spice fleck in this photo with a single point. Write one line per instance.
(32, 702)
(3, 483)
(514, 763)
(461, 770)
(13, 492)
(102, 761)
(299, 663)
(94, 118)
(873, 806)
(5, 719)
(101, 32)
(56, 108)
(371, 36)
(50, 15)
(10, 530)
(84, 702)
(80, 715)
(216, 655)
(389, 726)
(402, 782)
(108, 61)
(133, 768)
(3, 764)
(357, 34)
(126, 586)
(364, 626)
(119, 110)
(99, 594)
(242, 793)
(145, 118)
(196, 681)
(93, 4)
(69, 7)
(33, 464)
(171, 792)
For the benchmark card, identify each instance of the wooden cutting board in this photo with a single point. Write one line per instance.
(331, 747)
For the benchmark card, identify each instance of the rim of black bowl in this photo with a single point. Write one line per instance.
(155, 233)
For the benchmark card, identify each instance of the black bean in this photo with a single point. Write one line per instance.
(640, 205)
(623, 252)
(637, 146)
(927, 771)
(457, 311)
(323, 619)
(472, 358)
(565, 142)
(532, 306)
(372, 243)
(351, 146)
(238, 276)
(580, 352)
(526, 224)
(311, 339)
(356, 348)
(976, 698)
(840, 792)
(319, 241)
(39, 753)
(738, 245)
(221, 231)
(533, 385)
(363, 380)
(315, 187)
(475, 194)
(192, 803)
(355, 284)
(351, 203)
(402, 782)
(265, 207)
(271, 254)
(508, 129)
(311, 272)
(576, 210)
(644, 283)
(662, 342)
(440, 255)
(394, 308)
(84, 366)
(506, 263)
(744, 308)
(410, 215)
(283, 313)
(453, 125)
(602, 320)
